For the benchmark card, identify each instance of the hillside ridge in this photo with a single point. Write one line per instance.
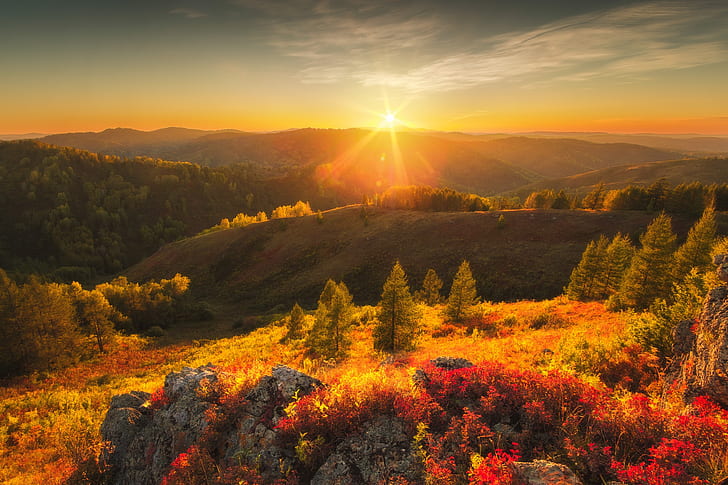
(276, 263)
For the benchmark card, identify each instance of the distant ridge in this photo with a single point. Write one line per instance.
(24, 136)
(704, 170)
(367, 161)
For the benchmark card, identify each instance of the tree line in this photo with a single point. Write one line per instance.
(397, 320)
(691, 199)
(664, 281)
(425, 198)
(46, 326)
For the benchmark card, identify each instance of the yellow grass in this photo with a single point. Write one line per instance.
(49, 424)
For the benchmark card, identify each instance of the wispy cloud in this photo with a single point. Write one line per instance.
(397, 45)
(189, 13)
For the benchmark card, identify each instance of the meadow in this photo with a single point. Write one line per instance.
(50, 428)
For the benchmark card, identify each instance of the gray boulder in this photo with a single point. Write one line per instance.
(541, 472)
(708, 374)
(254, 438)
(143, 442)
(420, 377)
(380, 454)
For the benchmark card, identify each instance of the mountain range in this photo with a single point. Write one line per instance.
(371, 160)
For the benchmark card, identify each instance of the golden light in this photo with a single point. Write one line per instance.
(389, 120)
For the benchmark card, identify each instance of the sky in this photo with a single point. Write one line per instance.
(258, 65)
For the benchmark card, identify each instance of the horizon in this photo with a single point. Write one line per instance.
(403, 129)
(622, 67)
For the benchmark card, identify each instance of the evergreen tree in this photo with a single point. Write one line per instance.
(295, 324)
(586, 279)
(334, 316)
(431, 286)
(648, 276)
(695, 252)
(619, 256)
(327, 294)
(398, 314)
(463, 294)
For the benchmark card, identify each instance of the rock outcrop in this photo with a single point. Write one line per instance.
(541, 472)
(380, 454)
(255, 434)
(705, 367)
(144, 441)
(147, 433)
(420, 377)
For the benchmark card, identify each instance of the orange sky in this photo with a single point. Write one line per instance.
(528, 65)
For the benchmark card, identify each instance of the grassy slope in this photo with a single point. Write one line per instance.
(278, 262)
(50, 423)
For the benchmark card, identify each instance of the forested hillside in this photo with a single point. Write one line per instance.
(77, 213)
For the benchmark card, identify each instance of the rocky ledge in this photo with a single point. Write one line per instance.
(145, 434)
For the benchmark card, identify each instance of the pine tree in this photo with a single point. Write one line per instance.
(619, 256)
(398, 314)
(329, 336)
(585, 281)
(463, 294)
(327, 294)
(648, 276)
(695, 252)
(431, 286)
(295, 324)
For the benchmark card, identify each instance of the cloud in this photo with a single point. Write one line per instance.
(406, 45)
(188, 13)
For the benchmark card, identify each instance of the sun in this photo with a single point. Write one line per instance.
(389, 120)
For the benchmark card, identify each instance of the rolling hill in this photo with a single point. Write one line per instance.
(694, 144)
(276, 263)
(127, 142)
(705, 170)
(370, 161)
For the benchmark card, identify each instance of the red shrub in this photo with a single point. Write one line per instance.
(669, 464)
(159, 399)
(495, 469)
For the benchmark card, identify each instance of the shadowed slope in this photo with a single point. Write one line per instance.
(282, 261)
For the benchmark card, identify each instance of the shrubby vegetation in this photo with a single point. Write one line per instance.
(47, 326)
(549, 396)
(299, 209)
